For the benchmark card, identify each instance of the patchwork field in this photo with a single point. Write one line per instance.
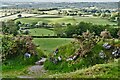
(66, 19)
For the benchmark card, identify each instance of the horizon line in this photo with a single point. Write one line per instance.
(60, 1)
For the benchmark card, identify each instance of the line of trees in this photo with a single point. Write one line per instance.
(69, 30)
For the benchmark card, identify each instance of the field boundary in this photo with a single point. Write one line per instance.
(49, 37)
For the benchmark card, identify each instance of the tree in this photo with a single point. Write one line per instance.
(18, 24)
(4, 28)
(87, 41)
(59, 30)
(10, 28)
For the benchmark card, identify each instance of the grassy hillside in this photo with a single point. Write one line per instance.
(90, 59)
(110, 70)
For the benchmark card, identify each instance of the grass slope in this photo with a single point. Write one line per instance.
(88, 60)
(110, 70)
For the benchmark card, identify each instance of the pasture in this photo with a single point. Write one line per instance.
(48, 45)
(67, 19)
(41, 31)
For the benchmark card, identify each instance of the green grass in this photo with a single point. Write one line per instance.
(0, 68)
(68, 19)
(40, 31)
(110, 70)
(50, 44)
(31, 20)
(17, 66)
(13, 67)
(94, 20)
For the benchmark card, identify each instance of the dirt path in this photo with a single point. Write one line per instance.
(34, 71)
(37, 70)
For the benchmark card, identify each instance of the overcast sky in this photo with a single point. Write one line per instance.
(61, 0)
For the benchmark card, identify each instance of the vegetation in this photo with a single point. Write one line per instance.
(41, 32)
(89, 59)
(9, 27)
(13, 54)
(60, 42)
(109, 70)
(68, 19)
(48, 45)
(79, 29)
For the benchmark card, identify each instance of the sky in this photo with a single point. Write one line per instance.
(60, 0)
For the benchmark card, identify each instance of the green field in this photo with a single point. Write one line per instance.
(67, 19)
(50, 44)
(40, 31)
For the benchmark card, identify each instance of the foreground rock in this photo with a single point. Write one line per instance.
(40, 62)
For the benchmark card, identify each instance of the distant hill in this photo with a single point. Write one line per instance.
(110, 5)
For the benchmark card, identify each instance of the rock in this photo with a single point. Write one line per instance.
(102, 55)
(59, 58)
(107, 46)
(27, 55)
(40, 62)
(69, 59)
(116, 53)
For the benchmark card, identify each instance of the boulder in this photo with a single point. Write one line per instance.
(116, 53)
(107, 46)
(40, 62)
(102, 55)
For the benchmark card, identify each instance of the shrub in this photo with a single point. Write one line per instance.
(18, 46)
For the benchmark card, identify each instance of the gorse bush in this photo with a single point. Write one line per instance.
(18, 46)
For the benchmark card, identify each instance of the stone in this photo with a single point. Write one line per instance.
(69, 59)
(40, 62)
(107, 46)
(116, 53)
(27, 55)
(59, 58)
(102, 55)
